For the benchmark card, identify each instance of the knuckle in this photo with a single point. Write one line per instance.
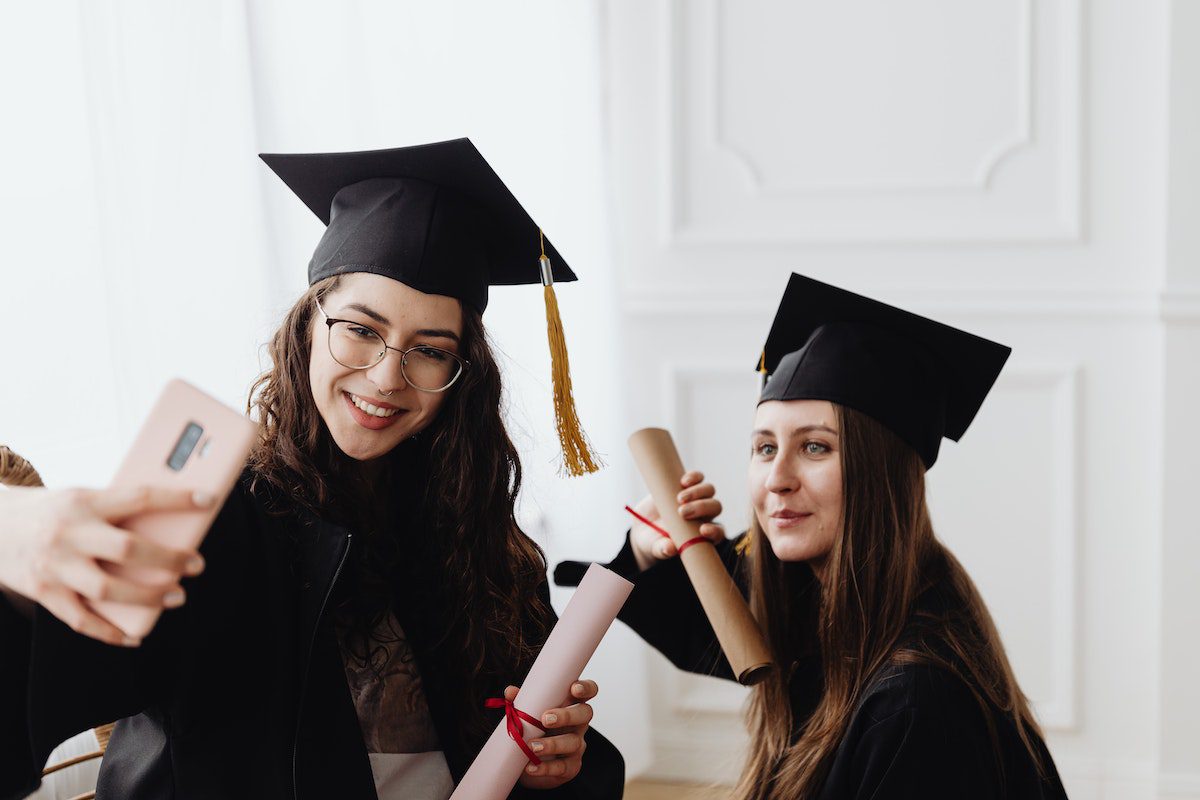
(126, 547)
(74, 498)
(39, 566)
(75, 620)
(142, 497)
(56, 532)
(38, 585)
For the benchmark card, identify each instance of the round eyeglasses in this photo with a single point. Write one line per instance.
(425, 367)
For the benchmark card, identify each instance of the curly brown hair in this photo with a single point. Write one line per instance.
(466, 541)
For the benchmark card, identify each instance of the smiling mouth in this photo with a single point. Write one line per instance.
(370, 408)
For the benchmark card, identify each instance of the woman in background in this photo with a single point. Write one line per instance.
(893, 679)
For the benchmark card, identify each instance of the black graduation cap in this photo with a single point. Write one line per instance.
(438, 218)
(435, 216)
(923, 380)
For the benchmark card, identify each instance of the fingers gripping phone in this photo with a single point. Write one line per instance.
(189, 441)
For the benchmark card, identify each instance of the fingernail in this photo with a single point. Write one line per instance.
(129, 641)
(202, 499)
(577, 687)
(531, 769)
(537, 747)
(173, 599)
(194, 565)
(550, 719)
(684, 514)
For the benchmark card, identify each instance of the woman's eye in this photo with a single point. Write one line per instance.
(361, 332)
(815, 448)
(431, 353)
(766, 449)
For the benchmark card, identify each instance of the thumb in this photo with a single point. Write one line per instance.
(664, 548)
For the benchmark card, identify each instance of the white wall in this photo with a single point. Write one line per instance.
(1022, 168)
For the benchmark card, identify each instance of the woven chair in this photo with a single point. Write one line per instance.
(16, 471)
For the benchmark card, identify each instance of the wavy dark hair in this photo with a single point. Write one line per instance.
(865, 616)
(458, 539)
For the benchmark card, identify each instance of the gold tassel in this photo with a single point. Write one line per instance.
(578, 456)
(747, 542)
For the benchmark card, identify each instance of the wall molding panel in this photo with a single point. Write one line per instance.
(789, 175)
(1100, 305)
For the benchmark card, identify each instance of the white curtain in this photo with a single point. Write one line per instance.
(144, 240)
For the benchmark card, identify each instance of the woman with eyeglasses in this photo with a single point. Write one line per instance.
(366, 588)
(892, 681)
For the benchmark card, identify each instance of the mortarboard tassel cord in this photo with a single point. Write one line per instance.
(578, 456)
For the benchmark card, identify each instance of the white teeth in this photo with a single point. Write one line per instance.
(371, 409)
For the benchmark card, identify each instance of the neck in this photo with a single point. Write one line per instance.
(819, 567)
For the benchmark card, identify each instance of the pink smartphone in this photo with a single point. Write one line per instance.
(189, 441)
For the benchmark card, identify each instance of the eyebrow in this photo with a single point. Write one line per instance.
(439, 332)
(442, 333)
(803, 429)
(370, 312)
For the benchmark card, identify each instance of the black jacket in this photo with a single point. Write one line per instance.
(916, 733)
(239, 693)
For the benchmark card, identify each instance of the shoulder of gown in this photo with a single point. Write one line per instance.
(920, 732)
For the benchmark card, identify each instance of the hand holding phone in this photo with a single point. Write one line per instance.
(191, 443)
(53, 542)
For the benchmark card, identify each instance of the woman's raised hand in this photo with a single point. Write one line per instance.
(697, 502)
(52, 545)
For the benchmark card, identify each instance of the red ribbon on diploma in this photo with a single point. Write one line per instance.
(682, 547)
(513, 716)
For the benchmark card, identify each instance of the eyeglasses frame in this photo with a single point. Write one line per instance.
(331, 321)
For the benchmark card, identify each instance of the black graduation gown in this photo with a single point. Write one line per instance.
(241, 693)
(917, 732)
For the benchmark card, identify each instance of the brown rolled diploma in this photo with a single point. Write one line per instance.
(739, 635)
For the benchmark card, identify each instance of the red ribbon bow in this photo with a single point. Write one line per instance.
(513, 716)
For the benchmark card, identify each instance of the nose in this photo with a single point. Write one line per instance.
(388, 374)
(783, 478)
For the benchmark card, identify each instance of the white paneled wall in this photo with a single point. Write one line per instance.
(1020, 168)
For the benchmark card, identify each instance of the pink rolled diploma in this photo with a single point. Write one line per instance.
(570, 646)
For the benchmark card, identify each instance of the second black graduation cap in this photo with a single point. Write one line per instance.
(921, 379)
(435, 217)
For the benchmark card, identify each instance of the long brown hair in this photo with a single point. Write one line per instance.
(864, 616)
(483, 571)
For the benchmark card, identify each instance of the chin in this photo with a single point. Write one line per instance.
(367, 446)
(795, 546)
